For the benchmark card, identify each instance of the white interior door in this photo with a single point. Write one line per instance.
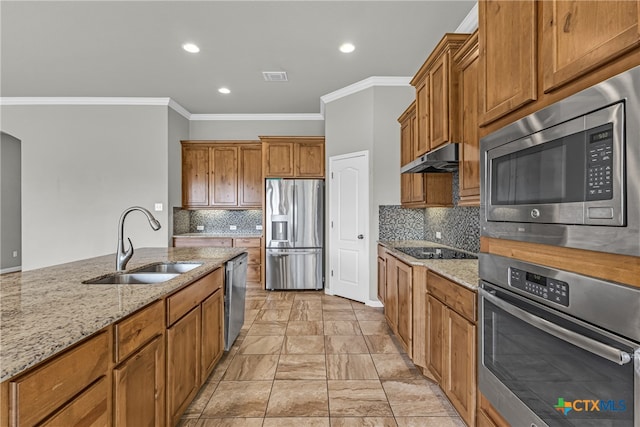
(349, 225)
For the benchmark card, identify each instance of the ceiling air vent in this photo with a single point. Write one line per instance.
(275, 76)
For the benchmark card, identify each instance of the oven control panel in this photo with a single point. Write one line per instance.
(543, 287)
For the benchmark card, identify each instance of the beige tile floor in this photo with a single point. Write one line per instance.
(308, 359)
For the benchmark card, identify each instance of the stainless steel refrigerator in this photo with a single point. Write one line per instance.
(294, 233)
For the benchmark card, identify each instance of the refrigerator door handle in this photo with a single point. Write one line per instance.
(295, 214)
(297, 252)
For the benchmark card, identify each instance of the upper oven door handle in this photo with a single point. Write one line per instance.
(596, 347)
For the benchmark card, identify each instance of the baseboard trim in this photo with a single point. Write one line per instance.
(10, 269)
(374, 303)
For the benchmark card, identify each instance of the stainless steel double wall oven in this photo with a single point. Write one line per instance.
(555, 347)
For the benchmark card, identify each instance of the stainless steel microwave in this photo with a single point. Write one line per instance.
(568, 175)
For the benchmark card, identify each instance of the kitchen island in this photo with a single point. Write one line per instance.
(86, 353)
(46, 310)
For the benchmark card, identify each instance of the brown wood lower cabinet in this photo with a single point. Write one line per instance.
(183, 364)
(139, 376)
(451, 342)
(138, 385)
(194, 340)
(70, 387)
(212, 333)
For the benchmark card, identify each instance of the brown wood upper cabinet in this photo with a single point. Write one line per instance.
(466, 61)
(578, 36)
(418, 190)
(293, 156)
(437, 96)
(221, 174)
(562, 47)
(507, 41)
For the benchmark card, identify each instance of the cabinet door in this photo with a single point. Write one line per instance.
(391, 295)
(438, 189)
(422, 114)
(224, 176)
(382, 279)
(212, 339)
(469, 140)
(138, 385)
(435, 337)
(309, 160)
(183, 364)
(460, 381)
(578, 36)
(195, 175)
(439, 102)
(405, 305)
(278, 158)
(507, 39)
(250, 177)
(88, 409)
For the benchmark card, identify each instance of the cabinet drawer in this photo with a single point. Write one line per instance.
(134, 331)
(42, 391)
(202, 242)
(246, 242)
(186, 299)
(253, 273)
(452, 294)
(88, 409)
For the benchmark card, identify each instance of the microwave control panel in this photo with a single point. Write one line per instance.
(541, 286)
(600, 163)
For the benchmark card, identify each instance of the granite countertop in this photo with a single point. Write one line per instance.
(46, 310)
(258, 233)
(462, 271)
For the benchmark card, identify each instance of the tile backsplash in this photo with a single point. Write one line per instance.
(459, 226)
(217, 221)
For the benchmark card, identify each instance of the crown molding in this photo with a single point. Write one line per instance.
(362, 85)
(258, 117)
(28, 100)
(470, 22)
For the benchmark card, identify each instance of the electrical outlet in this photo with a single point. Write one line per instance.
(199, 227)
(15, 254)
(158, 207)
(233, 227)
(258, 227)
(438, 235)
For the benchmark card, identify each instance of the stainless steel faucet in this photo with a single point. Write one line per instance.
(123, 257)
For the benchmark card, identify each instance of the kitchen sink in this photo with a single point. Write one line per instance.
(158, 272)
(168, 267)
(132, 279)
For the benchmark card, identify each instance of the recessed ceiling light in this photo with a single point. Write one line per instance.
(191, 48)
(224, 90)
(347, 48)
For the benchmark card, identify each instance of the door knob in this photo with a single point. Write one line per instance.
(360, 236)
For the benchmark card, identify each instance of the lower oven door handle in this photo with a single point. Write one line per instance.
(596, 347)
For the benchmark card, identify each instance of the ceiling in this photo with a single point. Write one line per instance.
(134, 49)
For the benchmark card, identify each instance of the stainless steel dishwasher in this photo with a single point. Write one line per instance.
(235, 287)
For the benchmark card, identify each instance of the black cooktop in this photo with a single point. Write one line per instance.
(436, 253)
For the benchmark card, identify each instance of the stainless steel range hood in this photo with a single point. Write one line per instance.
(443, 159)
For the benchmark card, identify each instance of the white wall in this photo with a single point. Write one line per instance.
(82, 166)
(10, 203)
(178, 130)
(253, 129)
(367, 120)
